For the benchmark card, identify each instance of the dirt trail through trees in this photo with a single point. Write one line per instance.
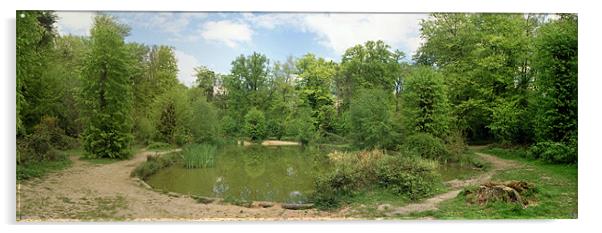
(456, 186)
(89, 191)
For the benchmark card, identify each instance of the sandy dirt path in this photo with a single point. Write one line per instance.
(93, 192)
(497, 164)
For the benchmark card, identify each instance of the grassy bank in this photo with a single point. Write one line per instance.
(556, 197)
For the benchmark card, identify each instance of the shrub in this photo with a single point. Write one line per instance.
(554, 152)
(370, 124)
(159, 146)
(412, 177)
(204, 124)
(427, 146)
(255, 125)
(41, 145)
(229, 126)
(153, 164)
(332, 187)
(455, 145)
(199, 155)
(409, 176)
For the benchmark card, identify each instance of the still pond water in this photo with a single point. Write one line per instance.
(275, 173)
(261, 173)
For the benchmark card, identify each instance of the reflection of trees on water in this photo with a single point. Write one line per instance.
(254, 161)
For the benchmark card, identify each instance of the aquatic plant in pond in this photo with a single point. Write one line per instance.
(199, 155)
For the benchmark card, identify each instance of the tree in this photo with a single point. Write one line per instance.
(204, 124)
(255, 125)
(173, 116)
(107, 91)
(206, 80)
(315, 88)
(426, 108)
(35, 33)
(371, 125)
(369, 66)
(302, 125)
(556, 80)
(483, 57)
(247, 86)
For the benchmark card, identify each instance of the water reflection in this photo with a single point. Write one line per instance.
(284, 174)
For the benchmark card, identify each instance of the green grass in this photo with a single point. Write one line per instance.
(556, 197)
(39, 169)
(160, 146)
(199, 156)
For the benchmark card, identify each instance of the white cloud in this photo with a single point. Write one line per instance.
(342, 31)
(226, 31)
(186, 65)
(76, 23)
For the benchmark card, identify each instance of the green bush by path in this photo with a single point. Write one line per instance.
(426, 146)
(406, 176)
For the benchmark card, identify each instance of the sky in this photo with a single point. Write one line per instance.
(215, 39)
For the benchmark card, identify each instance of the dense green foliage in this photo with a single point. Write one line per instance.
(425, 103)
(107, 91)
(403, 175)
(371, 125)
(556, 79)
(255, 125)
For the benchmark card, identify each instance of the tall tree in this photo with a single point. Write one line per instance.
(315, 88)
(426, 109)
(247, 86)
(35, 33)
(107, 90)
(556, 80)
(371, 66)
(206, 80)
(482, 57)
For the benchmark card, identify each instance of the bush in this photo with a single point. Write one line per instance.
(335, 186)
(554, 152)
(229, 126)
(412, 177)
(302, 127)
(41, 145)
(455, 145)
(255, 125)
(199, 155)
(159, 146)
(409, 176)
(204, 124)
(370, 124)
(154, 164)
(427, 146)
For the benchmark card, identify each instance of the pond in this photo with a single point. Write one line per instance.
(260, 173)
(263, 173)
